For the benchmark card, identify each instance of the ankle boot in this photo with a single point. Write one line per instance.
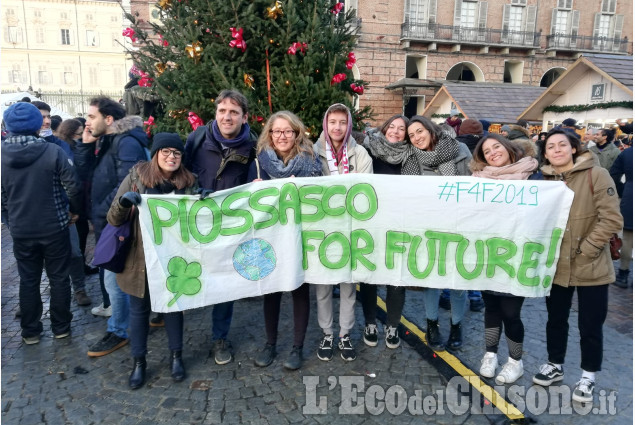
(138, 374)
(621, 281)
(434, 336)
(176, 366)
(455, 341)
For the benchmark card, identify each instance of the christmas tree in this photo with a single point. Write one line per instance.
(293, 54)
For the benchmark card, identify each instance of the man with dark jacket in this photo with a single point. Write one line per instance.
(46, 132)
(220, 153)
(38, 182)
(114, 145)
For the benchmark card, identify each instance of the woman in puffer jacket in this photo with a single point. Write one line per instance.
(585, 261)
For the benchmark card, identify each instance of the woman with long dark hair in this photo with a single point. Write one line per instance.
(163, 174)
(585, 261)
(284, 150)
(381, 143)
(495, 157)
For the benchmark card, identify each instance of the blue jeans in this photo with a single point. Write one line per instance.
(118, 322)
(457, 301)
(471, 295)
(222, 319)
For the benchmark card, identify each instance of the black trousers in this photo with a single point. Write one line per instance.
(301, 309)
(140, 326)
(395, 298)
(32, 255)
(592, 308)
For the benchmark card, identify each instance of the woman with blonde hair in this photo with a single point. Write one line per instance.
(284, 150)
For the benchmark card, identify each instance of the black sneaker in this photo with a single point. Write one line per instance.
(346, 348)
(109, 343)
(392, 337)
(82, 299)
(325, 352)
(294, 361)
(549, 373)
(222, 351)
(370, 335)
(266, 355)
(583, 392)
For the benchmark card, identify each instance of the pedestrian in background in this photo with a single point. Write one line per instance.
(40, 198)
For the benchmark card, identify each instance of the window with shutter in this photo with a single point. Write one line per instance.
(530, 24)
(608, 6)
(565, 4)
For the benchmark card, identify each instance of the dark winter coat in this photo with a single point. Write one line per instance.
(62, 144)
(110, 164)
(38, 181)
(623, 166)
(585, 258)
(470, 140)
(132, 279)
(218, 170)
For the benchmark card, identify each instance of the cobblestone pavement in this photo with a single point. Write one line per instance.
(54, 382)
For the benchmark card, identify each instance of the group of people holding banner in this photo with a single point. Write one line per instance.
(225, 153)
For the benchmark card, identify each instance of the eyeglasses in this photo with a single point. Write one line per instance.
(287, 133)
(166, 152)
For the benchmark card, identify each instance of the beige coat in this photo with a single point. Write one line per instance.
(585, 258)
(359, 161)
(132, 279)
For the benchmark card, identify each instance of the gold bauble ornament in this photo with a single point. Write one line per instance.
(194, 50)
(160, 67)
(163, 4)
(249, 81)
(275, 11)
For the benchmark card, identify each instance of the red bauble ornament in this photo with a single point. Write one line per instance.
(195, 120)
(338, 78)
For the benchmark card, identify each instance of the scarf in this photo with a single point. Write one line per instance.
(335, 159)
(301, 165)
(242, 137)
(381, 148)
(22, 139)
(440, 160)
(520, 170)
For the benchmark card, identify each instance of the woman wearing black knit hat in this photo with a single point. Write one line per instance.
(163, 174)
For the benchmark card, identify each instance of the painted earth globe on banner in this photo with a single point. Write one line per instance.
(254, 259)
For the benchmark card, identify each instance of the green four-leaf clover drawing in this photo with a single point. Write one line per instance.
(183, 278)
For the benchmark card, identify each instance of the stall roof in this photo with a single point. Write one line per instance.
(494, 102)
(617, 68)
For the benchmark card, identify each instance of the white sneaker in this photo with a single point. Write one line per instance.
(512, 370)
(101, 311)
(489, 365)
(583, 392)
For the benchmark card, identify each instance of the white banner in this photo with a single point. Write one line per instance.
(441, 232)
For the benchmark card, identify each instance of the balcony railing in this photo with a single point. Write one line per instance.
(586, 43)
(456, 34)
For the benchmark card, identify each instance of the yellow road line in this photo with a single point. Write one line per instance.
(488, 392)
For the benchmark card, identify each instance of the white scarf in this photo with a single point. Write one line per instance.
(332, 159)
